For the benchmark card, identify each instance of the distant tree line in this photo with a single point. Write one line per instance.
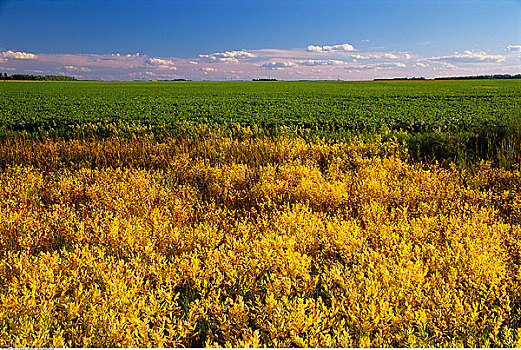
(495, 76)
(473, 77)
(265, 79)
(177, 79)
(4, 76)
(413, 78)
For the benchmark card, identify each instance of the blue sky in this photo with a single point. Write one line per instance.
(287, 39)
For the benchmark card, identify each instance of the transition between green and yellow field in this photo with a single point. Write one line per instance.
(459, 120)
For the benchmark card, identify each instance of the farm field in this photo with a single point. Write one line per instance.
(460, 120)
(248, 214)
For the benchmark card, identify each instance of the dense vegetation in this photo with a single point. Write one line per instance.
(5, 76)
(472, 77)
(260, 214)
(215, 241)
(481, 77)
(464, 120)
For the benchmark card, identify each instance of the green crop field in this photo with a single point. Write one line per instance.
(323, 106)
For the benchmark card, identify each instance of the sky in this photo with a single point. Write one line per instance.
(242, 40)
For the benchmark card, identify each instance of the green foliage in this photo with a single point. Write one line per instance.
(437, 119)
(4, 76)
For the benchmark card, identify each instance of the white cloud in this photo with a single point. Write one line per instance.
(161, 63)
(361, 57)
(390, 55)
(390, 65)
(227, 56)
(19, 55)
(193, 62)
(120, 57)
(330, 48)
(278, 64)
(514, 48)
(469, 57)
(421, 64)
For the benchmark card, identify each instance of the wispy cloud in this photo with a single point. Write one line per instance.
(380, 55)
(378, 66)
(447, 65)
(207, 71)
(77, 69)
(330, 48)
(322, 63)
(469, 57)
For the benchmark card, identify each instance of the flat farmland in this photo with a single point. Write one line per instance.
(249, 214)
(438, 119)
(324, 107)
